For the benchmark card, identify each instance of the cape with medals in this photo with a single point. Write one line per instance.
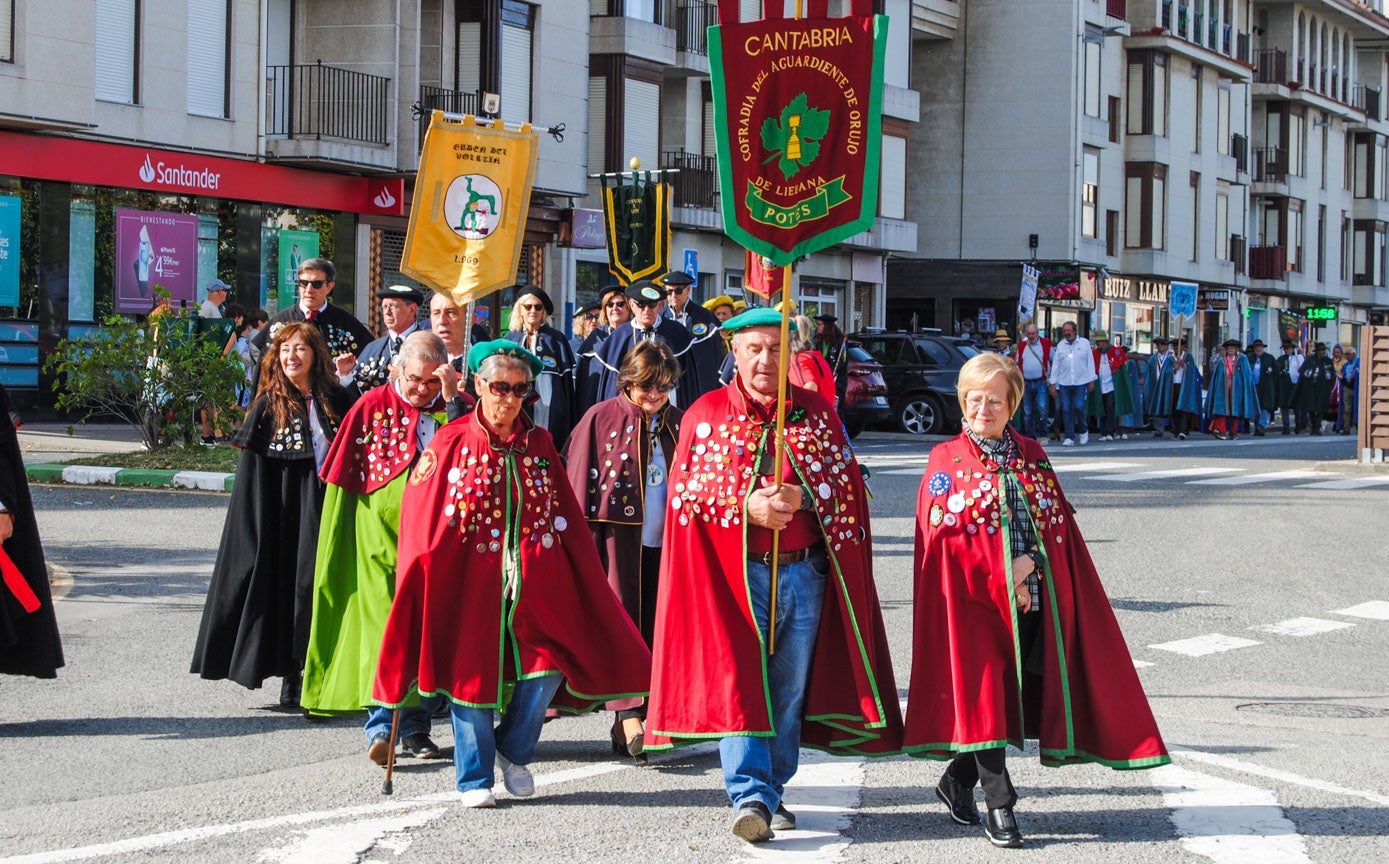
(969, 689)
(708, 679)
(354, 577)
(497, 579)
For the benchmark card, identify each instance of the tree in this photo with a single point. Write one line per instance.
(153, 375)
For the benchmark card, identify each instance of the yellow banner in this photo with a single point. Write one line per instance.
(472, 194)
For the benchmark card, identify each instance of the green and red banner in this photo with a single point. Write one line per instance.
(797, 120)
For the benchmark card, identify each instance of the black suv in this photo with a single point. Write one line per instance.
(920, 370)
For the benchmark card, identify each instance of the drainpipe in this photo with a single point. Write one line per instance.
(261, 97)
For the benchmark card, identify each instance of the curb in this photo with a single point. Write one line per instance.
(93, 475)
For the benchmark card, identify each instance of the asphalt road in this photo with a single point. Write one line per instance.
(1257, 607)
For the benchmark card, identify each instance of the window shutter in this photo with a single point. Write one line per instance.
(598, 8)
(641, 124)
(597, 120)
(469, 56)
(6, 32)
(207, 57)
(749, 10)
(115, 50)
(516, 74)
(709, 143)
(892, 191)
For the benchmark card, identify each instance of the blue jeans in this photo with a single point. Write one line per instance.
(1072, 399)
(1034, 408)
(475, 743)
(413, 720)
(756, 768)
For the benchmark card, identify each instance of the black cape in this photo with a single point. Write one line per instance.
(1267, 386)
(707, 348)
(1313, 391)
(554, 412)
(260, 601)
(373, 364)
(609, 356)
(588, 371)
(29, 643)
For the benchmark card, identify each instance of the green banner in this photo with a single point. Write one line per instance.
(296, 247)
(816, 206)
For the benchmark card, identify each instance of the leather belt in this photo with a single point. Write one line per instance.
(794, 557)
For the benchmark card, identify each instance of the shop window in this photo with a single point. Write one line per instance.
(495, 54)
(1093, 42)
(6, 31)
(1147, 93)
(1090, 194)
(117, 52)
(209, 56)
(1145, 203)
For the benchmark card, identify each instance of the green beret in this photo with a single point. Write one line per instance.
(482, 350)
(759, 317)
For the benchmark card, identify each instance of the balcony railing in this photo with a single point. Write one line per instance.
(1271, 66)
(1268, 262)
(1237, 252)
(452, 101)
(1270, 165)
(317, 101)
(1366, 98)
(1239, 148)
(692, 20)
(697, 184)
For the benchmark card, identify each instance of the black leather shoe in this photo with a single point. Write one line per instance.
(1002, 828)
(753, 822)
(958, 800)
(783, 819)
(419, 746)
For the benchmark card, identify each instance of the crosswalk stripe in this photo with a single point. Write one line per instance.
(1162, 475)
(1228, 822)
(1376, 610)
(1250, 479)
(907, 472)
(1302, 627)
(1211, 643)
(1094, 466)
(1348, 483)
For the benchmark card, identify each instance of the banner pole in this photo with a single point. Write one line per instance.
(778, 441)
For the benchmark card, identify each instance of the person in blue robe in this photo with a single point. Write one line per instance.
(707, 349)
(1157, 385)
(1188, 397)
(647, 300)
(1231, 398)
(613, 311)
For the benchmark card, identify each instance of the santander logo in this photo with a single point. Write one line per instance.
(147, 170)
(178, 176)
(384, 199)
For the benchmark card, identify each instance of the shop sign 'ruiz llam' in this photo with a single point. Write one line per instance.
(797, 108)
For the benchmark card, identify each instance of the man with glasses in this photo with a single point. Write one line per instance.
(354, 575)
(647, 302)
(345, 335)
(400, 305)
(706, 342)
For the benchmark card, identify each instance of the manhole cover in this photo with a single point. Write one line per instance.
(1313, 709)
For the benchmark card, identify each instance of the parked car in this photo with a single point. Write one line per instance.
(864, 402)
(920, 370)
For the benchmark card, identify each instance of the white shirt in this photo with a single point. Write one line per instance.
(1178, 358)
(1033, 369)
(208, 309)
(427, 425)
(1106, 374)
(317, 435)
(1072, 363)
(1295, 367)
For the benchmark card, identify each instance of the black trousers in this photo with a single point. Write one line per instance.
(650, 571)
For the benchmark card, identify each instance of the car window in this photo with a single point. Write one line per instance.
(933, 353)
(885, 351)
(858, 355)
(967, 350)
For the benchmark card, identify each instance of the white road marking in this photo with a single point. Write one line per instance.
(906, 472)
(824, 795)
(1228, 822)
(1094, 466)
(1163, 475)
(1279, 775)
(1377, 610)
(1348, 483)
(1211, 643)
(1302, 627)
(346, 844)
(1142, 664)
(1249, 479)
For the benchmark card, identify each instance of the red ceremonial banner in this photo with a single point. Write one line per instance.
(761, 276)
(797, 120)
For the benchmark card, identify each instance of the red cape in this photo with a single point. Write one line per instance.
(707, 678)
(449, 630)
(372, 446)
(966, 689)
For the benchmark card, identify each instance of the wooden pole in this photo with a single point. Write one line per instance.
(388, 787)
(778, 440)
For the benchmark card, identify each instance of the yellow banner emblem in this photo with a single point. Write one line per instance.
(472, 194)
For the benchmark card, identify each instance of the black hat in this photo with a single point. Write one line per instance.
(1257, 343)
(1230, 342)
(527, 290)
(1288, 343)
(609, 290)
(1320, 346)
(587, 308)
(645, 291)
(677, 277)
(1161, 340)
(401, 292)
(828, 319)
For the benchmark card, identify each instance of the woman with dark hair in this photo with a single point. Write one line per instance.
(256, 619)
(618, 460)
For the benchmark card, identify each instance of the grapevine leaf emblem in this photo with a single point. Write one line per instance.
(794, 138)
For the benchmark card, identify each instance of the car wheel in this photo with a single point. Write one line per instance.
(921, 414)
(854, 428)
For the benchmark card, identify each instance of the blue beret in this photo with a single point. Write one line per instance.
(482, 350)
(759, 317)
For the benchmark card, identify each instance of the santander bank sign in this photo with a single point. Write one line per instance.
(179, 176)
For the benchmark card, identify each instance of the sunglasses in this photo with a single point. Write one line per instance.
(593, 317)
(681, 290)
(521, 389)
(312, 283)
(647, 304)
(616, 304)
(531, 307)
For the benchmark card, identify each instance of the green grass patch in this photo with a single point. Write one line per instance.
(222, 458)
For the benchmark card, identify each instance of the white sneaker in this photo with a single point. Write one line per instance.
(1068, 443)
(1125, 436)
(480, 798)
(516, 778)
(1085, 437)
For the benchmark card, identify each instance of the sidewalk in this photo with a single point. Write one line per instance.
(45, 446)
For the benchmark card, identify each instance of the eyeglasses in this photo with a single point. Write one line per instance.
(615, 304)
(531, 307)
(591, 317)
(680, 290)
(659, 388)
(647, 304)
(521, 389)
(417, 381)
(974, 403)
(312, 283)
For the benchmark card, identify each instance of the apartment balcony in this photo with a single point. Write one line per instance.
(1271, 165)
(646, 40)
(935, 19)
(1366, 98)
(1184, 33)
(1271, 66)
(1268, 262)
(326, 116)
(451, 101)
(697, 184)
(886, 235)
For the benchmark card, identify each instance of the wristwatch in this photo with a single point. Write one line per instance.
(807, 500)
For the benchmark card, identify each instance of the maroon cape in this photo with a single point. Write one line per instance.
(708, 678)
(471, 504)
(372, 447)
(967, 690)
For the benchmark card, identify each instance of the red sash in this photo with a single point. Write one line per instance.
(15, 582)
